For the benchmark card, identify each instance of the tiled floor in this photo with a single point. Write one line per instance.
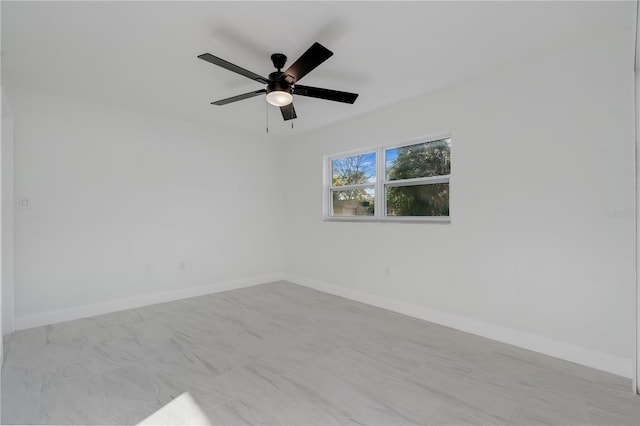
(283, 354)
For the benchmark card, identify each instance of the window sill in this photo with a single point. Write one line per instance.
(405, 219)
(417, 219)
(350, 219)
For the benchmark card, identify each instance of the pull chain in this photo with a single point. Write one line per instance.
(267, 115)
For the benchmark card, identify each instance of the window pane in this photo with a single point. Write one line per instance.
(354, 170)
(357, 202)
(421, 160)
(418, 200)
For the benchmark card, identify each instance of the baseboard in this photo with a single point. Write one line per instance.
(579, 355)
(52, 317)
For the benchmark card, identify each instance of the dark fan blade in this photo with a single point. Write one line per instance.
(239, 97)
(231, 67)
(328, 94)
(310, 59)
(288, 112)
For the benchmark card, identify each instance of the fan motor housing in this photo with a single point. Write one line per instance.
(276, 84)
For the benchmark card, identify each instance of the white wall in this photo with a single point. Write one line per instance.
(636, 381)
(540, 152)
(2, 233)
(118, 199)
(8, 282)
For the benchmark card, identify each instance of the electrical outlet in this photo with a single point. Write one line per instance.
(23, 202)
(182, 266)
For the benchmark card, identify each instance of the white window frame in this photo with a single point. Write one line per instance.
(384, 183)
(328, 188)
(381, 184)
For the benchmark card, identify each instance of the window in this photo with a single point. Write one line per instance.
(417, 179)
(412, 182)
(353, 185)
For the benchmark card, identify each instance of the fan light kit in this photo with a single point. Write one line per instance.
(282, 85)
(279, 98)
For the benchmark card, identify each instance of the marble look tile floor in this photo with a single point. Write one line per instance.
(283, 354)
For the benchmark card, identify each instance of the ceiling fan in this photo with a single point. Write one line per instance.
(282, 85)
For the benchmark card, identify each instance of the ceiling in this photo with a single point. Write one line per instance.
(142, 55)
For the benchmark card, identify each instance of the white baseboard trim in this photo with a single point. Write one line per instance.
(52, 317)
(579, 355)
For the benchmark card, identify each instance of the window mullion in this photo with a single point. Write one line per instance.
(353, 187)
(418, 181)
(380, 181)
